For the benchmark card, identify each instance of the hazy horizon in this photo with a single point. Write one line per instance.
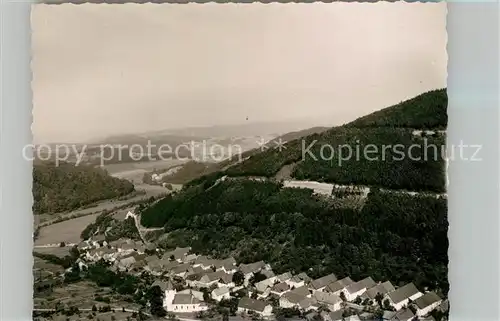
(105, 70)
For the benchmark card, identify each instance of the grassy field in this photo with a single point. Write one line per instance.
(57, 251)
(67, 231)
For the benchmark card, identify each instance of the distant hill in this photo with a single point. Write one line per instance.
(394, 235)
(67, 187)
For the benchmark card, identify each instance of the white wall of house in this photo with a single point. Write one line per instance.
(353, 296)
(335, 307)
(426, 310)
(168, 299)
(416, 296)
(224, 285)
(187, 308)
(398, 306)
(268, 311)
(294, 284)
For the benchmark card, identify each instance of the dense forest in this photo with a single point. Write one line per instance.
(393, 236)
(67, 187)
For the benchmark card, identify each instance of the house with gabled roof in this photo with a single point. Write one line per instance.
(226, 280)
(264, 294)
(250, 269)
(211, 278)
(401, 315)
(261, 286)
(356, 289)
(284, 277)
(334, 316)
(190, 258)
(178, 254)
(203, 261)
(382, 288)
(332, 301)
(229, 263)
(180, 270)
(308, 304)
(219, 294)
(280, 288)
(186, 303)
(295, 282)
(260, 307)
(293, 298)
(426, 303)
(321, 283)
(197, 294)
(401, 296)
(339, 285)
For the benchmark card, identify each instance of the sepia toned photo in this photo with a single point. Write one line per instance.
(234, 162)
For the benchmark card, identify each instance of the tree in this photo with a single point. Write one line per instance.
(379, 297)
(156, 302)
(238, 278)
(357, 300)
(387, 305)
(257, 277)
(62, 244)
(94, 308)
(342, 296)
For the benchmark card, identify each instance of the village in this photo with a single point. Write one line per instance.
(192, 284)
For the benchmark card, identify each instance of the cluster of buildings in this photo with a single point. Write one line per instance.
(327, 297)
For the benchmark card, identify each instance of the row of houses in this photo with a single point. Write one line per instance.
(326, 294)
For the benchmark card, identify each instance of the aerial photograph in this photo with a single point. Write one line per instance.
(235, 162)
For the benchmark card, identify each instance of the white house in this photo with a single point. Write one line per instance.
(221, 293)
(181, 302)
(186, 303)
(426, 303)
(260, 307)
(354, 290)
(401, 296)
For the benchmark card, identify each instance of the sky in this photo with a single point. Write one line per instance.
(103, 70)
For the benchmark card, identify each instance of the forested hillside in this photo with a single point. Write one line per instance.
(67, 187)
(426, 111)
(396, 236)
